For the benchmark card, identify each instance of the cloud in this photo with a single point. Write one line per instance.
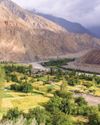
(86, 12)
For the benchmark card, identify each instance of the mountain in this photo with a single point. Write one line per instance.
(95, 31)
(92, 57)
(26, 36)
(70, 26)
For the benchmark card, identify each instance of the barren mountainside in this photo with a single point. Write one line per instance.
(27, 37)
(70, 26)
(92, 57)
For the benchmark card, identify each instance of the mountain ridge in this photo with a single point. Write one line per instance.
(68, 25)
(95, 30)
(73, 27)
(28, 37)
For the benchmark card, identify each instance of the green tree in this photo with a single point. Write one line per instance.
(64, 94)
(72, 81)
(80, 101)
(60, 118)
(22, 87)
(41, 116)
(54, 104)
(94, 119)
(63, 86)
(12, 114)
(67, 106)
(27, 88)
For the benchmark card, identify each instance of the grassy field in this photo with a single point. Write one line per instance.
(23, 101)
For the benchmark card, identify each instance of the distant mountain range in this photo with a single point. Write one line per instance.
(95, 31)
(70, 26)
(73, 27)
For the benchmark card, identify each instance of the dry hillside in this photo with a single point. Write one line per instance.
(26, 37)
(92, 57)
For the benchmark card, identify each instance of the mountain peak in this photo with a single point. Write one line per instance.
(7, 2)
(31, 20)
(12, 7)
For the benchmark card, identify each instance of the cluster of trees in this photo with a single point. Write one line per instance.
(93, 78)
(58, 62)
(86, 77)
(36, 116)
(72, 77)
(73, 81)
(22, 87)
(59, 111)
(18, 68)
(65, 103)
(22, 83)
(61, 108)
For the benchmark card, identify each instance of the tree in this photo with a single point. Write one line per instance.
(80, 101)
(51, 71)
(99, 107)
(94, 119)
(30, 70)
(27, 88)
(54, 104)
(63, 86)
(39, 114)
(60, 118)
(64, 94)
(12, 114)
(67, 106)
(22, 87)
(14, 78)
(72, 81)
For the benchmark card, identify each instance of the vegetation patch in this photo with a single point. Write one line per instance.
(48, 98)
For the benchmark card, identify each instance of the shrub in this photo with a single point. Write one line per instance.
(23, 87)
(12, 114)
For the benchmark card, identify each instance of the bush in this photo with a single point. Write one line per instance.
(80, 101)
(94, 119)
(39, 114)
(12, 114)
(60, 118)
(72, 82)
(23, 87)
(88, 84)
(54, 104)
(64, 94)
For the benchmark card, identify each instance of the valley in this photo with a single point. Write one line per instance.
(37, 88)
(49, 69)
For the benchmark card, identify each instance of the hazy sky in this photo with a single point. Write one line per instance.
(87, 12)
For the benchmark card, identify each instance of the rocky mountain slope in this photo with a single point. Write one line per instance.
(92, 57)
(28, 37)
(70, 26)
